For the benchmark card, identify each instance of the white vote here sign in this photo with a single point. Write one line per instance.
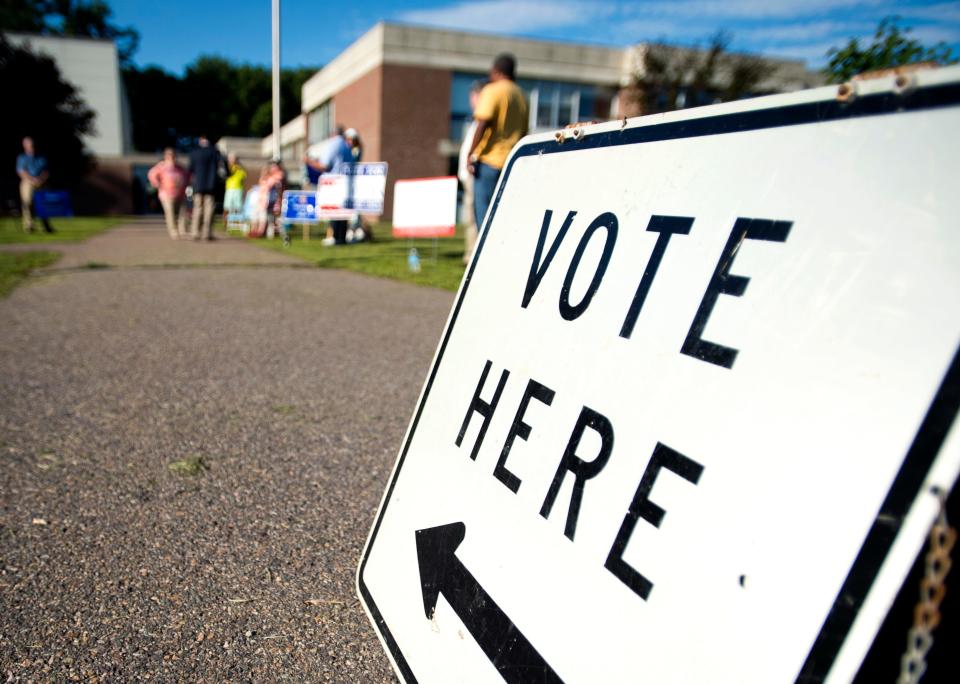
(694, 391)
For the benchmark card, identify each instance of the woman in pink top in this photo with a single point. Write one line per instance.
(171, 180)
(269, 197)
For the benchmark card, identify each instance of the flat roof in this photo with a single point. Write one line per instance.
(408, 45)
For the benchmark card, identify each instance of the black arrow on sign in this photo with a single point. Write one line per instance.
(441, 572)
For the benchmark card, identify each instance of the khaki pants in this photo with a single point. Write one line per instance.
(26, 203)
(202, 202)
(173, 213)
(470, 224)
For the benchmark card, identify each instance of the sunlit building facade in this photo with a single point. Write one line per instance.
(405, 89)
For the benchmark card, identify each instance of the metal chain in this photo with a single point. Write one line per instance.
(926, 614)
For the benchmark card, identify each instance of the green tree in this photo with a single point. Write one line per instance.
(674, 77)
(53, 114)
(29, 16)
(215, 97)
(90, 18)
(891, 47)
(157, 113)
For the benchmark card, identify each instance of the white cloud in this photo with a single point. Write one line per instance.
(931, 35)
(801, 29)
(804, 32)
(940, 12)
(814, 54)
(751, 9)
(509, 16)
(639, 30)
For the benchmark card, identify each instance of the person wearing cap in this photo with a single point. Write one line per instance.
(329, 155)
(358, 230)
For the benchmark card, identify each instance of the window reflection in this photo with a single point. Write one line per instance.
(553, 104)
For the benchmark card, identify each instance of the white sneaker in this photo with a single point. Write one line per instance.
(327, 242)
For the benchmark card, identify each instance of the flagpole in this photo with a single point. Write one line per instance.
(276, 78)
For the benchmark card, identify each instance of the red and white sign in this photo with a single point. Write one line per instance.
(331, 198)
(358, 188)
(425, 207)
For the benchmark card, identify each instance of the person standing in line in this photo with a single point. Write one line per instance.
(466, 178)
(32, 169)
(357, 230)
(329, 157)
(502, 119)
(171, 180)
(205, 167)
(269, 198)
(233, 192)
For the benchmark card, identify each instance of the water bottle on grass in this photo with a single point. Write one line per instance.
(413, 260)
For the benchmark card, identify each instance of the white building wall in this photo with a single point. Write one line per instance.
(93, 68)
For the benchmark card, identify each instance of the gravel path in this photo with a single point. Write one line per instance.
(293, 386)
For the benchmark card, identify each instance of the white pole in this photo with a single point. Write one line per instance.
(276, 78)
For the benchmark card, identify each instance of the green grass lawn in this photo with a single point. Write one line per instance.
(385, 257)
(67, 229)
(15, 266)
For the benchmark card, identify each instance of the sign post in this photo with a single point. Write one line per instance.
(695, 392)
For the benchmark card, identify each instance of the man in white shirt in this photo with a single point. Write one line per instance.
(466, 177)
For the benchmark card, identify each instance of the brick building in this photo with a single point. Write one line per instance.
(405, 89)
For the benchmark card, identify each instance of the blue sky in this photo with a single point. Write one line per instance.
(174, 32)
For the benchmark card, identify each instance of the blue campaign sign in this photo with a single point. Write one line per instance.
(299, 206)
(365, 169)
(366, 183)
(51, 203)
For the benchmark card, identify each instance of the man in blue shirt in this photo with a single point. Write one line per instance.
(330, 156)
(32, 169)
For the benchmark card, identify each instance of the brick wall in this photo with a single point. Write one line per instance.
(416, 117)
(402, 113)
(360, 106)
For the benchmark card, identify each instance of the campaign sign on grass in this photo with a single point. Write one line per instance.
(357, 189)
(425, 207)
(299, 206)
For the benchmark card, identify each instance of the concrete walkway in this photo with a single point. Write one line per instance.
(145, 243)
(288, 389)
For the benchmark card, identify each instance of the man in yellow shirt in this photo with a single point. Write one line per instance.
(502, 118)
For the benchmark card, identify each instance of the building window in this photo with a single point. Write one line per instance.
(460, 113)
(320, 122)
(553, 104)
